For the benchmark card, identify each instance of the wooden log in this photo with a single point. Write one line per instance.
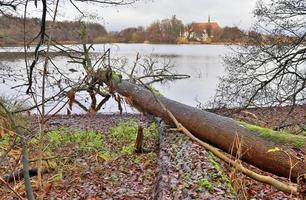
(222, 132)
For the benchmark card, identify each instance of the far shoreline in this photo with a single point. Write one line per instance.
(95, 43)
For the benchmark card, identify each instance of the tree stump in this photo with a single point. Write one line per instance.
(139, 140)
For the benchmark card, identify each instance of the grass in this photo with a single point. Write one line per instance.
(126, 132)
(84, 141)
(5, 141)
(127, 150)
(213, 161)
(204, 183)
(278, 136)
(71, 153)
(122, 142)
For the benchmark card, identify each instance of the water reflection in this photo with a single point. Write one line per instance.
(202, 62)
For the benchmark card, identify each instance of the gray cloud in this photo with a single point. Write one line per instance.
(225, 12)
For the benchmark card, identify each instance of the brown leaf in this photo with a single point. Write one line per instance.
(48, 188)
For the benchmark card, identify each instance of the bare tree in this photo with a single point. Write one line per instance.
(269, 70)
(38, 70)
(9, 5)
(45, 81)
(147, 69)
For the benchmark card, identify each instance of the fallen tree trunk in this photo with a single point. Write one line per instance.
(217, 130)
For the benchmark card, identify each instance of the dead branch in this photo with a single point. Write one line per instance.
(12, 189)
(25, 154)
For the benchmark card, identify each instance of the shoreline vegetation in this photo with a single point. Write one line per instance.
(33, 44)
(166, 31)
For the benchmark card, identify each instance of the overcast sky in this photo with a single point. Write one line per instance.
(225, 12)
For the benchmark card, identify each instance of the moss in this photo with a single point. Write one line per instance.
(278, 136)
(156, 92)
(204, 183)
(213, 161)
(116, 77)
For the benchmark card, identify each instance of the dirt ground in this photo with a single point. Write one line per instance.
(173, 167)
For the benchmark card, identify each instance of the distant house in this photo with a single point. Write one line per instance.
(200, 31)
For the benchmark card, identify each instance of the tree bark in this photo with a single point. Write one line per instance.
(222, 132)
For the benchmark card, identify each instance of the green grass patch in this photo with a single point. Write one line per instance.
(126, 130)
(5, 141)
(278, 136)
(213, 161)
(81, 140)
(152, 130)
(204, 183)
(125, 134)
(127, 150)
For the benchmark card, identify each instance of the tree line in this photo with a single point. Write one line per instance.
(169, 31)
(14, 30)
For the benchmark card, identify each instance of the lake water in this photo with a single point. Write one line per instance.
(202, 62)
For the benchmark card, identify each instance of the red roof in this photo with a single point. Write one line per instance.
(199, 27)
